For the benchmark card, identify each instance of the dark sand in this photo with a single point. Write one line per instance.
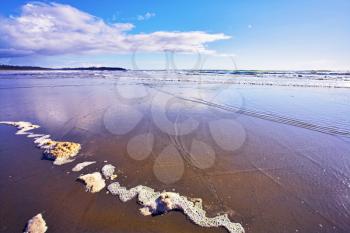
(287, 176)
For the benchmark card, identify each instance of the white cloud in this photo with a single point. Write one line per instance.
(146, 16)
(56, 29)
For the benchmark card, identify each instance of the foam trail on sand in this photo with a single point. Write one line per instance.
(81, 166)
(36, 224)
(155, 203)
(94, 182)
(152, 202)
(59, 152)
(22, 126)
(108, 172)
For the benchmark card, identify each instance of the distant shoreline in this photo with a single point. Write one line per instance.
(207, 71)
(34, 68)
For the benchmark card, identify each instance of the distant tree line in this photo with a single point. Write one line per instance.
(11, 67)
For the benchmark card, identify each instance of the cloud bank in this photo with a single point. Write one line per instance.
(57, 29)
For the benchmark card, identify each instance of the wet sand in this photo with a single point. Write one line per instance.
(289, 172)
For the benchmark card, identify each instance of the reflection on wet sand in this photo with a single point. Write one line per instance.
(287, 172)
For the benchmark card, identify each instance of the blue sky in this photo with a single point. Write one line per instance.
(254, 34)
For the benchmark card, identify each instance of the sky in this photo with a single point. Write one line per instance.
(226, 34)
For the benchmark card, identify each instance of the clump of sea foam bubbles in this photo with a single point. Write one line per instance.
(156, 203)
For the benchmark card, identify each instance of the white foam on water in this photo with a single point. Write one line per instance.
(108, 172)
(81, 166)
(93, 182)
(42, 140)
(155, 203)
(32, 135)
(152, 202)
(60, 152)
(22, 126)
(36, 224)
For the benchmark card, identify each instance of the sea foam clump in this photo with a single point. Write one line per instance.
(36, 224)
(108, 171)
(156, 203)
(94, 182)
(81, 166)
(22, 126)
(60, 152)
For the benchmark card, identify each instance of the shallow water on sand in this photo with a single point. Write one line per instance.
(275, 158)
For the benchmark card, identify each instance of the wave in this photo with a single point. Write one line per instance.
(320, 79)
